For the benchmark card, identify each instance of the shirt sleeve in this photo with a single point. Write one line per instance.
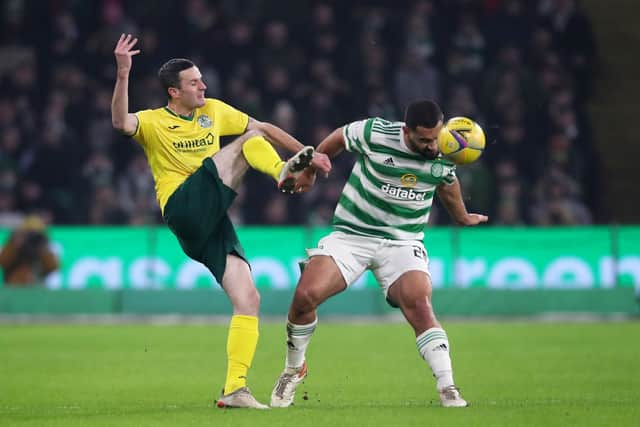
(357, 135)
(230, 120)
(142, 131)
(449, 175)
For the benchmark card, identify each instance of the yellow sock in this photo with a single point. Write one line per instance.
(262, 157)
(241, 346)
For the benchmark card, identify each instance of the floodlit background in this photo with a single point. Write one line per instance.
(550, 81)
(116, 326)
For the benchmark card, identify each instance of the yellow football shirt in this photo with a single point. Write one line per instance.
(175, 145)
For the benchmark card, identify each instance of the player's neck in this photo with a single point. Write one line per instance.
(179, 110)
(406, 142)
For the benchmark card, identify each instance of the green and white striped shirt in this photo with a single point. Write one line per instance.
(390, 190)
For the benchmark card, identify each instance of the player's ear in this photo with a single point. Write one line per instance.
(173, 92)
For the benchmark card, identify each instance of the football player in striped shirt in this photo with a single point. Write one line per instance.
(378, 225)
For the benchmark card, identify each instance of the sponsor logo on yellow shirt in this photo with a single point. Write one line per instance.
(191, 145)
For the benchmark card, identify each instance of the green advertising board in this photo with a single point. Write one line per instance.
(484, 257)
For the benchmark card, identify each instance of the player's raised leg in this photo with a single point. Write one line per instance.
(320, 279)
(412, 293)
(242, 339)
(294, 167)
(253, 150)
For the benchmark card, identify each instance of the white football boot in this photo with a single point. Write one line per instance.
(285, 389)
(450, 397)
(241, 398)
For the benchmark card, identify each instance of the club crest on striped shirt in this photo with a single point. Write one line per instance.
(436, 170)
(409, 180)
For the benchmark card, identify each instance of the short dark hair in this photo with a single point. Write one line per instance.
(423, 113)
(169, 73)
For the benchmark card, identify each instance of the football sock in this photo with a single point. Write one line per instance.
(298, 337)
(262, 157)
(241, 346)
(433, 346)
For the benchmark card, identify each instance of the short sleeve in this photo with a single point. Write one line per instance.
(357, 135)
(230, 120)
(144, 126)
(450, 175)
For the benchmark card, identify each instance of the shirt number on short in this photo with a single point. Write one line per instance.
(418, 252)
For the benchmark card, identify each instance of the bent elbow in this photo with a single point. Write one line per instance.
(117, 125)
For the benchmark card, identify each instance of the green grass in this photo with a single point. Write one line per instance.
(514, 374)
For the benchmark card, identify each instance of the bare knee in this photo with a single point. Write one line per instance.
(239, 286)
(420, 305)
(248, 135)
(248, 304)
(320, 280)
(232, 152)
(420, 315)
(230, 161)
(253, 299)
(305, 301)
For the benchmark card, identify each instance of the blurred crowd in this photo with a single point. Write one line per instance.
(523, 69)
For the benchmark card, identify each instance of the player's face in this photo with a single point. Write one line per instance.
(191, 91)
(423, 140)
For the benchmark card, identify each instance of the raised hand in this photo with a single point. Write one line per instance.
(124, 53)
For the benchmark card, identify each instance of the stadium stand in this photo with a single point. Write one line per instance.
(516, 66)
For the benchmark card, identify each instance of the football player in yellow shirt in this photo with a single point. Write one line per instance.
(196, 183)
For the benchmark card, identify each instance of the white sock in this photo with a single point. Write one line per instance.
(433, 346)
(298, 337)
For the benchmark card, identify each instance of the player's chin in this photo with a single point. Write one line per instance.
(430, 155)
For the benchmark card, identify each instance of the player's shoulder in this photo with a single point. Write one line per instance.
(375, 122)
(384, 129)
(212, 102)
(215, 103)
(382, 121)
(378, 124)
(383, 124)
(150, 113)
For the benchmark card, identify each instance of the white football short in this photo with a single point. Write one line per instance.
(387, 259)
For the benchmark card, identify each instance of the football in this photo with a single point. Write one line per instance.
(461, 140)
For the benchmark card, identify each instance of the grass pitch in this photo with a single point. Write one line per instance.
(514, 374)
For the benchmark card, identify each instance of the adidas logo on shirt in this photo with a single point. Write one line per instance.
(389, 162)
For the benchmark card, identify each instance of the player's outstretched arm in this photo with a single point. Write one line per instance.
(451, 197)
(120, 117)
(282, 139)
(331, 146)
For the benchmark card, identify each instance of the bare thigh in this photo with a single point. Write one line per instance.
(230, 161)
(320, 280)
(412, 293)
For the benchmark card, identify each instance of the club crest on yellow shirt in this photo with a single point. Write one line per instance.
(204, 121)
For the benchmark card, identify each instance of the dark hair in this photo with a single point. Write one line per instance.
(423, 113)
(169, 73)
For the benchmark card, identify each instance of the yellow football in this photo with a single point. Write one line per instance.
(461, 140)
